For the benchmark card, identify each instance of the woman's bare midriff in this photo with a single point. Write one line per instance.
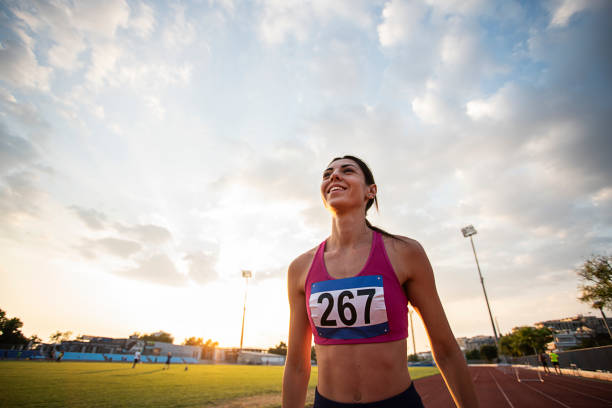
(362, 372)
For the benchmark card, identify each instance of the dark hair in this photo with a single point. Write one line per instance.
(369, 179)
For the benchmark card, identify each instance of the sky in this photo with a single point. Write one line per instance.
(150, 151)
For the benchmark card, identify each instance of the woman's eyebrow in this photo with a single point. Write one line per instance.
(342, 167)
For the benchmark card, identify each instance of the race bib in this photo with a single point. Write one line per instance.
(351, 308)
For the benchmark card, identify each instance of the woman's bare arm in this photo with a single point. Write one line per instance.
(423, 295)
(297, 366)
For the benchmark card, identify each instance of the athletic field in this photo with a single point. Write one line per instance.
(77, 384)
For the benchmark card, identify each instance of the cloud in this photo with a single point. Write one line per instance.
(143, 21)
(16, 153)
(400, 21)
(114, 246)
(202, 267)
(565, 10)
(157, 268)
(19, 65)
(182, 31)
(94, 219)
(147, 233)
(284, 20)
(19, 195)
(20, 170)
(73, 27)
(103, 60)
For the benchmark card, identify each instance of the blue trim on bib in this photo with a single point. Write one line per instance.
(368, 281)
(346, 333)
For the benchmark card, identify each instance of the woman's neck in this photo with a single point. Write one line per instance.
(348, 231)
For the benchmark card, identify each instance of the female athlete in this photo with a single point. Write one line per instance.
(351, 294)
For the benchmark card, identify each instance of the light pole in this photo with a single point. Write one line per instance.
(410, 311)
(468, 232)
(599, 305)
(246, 275)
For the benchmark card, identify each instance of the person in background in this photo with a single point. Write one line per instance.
(554, 359)
(168, 360)
(136, 358)
(542, 358)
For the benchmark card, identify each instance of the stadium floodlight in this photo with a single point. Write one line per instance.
(469, 231)
(246, 275)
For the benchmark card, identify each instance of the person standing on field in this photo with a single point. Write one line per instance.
(136, 358)
(168, 360)
(351, 293)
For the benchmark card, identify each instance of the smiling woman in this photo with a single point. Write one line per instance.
(351, 293)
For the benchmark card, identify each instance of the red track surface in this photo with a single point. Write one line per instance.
(498, 387)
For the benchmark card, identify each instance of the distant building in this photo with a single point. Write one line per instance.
(570, 331)
(260, 358)
(576, 323)
(425, 356)
(109, 345)
(474, 343)
(568, 339)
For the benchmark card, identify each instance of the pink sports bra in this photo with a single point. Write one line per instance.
(370, 307)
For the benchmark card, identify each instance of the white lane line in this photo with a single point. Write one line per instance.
(584, 382)
(502, 391)
(546, 395)
(578, 392)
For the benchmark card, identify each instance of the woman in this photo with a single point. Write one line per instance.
(351, 293)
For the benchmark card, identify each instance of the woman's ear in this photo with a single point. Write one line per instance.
(372, 191)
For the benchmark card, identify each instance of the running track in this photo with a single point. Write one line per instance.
(498, 387)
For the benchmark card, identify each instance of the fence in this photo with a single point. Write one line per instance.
(592, 359)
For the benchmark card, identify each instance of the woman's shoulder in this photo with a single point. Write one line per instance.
(299, 267)
(303, 261)
(402, 245)
(407, 256)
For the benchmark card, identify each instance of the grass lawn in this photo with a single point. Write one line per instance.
(78, 384)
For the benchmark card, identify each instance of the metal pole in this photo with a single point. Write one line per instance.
(410, 311)
(244, 312)
(485, 292)
(605, 321)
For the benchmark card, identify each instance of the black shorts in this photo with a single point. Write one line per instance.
(555, 363)
(407, 399)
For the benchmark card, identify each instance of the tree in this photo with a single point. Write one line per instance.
(34, 339)
(192, 341)
(525, 340)
(60, 336)
(488, 352)
(208, 349)
(414, 358)
(472, 354)
(10, 330)
(160, 336)
(313, 353)
(280, 349)
(596, 276)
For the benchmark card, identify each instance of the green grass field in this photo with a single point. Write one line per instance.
(76, 384)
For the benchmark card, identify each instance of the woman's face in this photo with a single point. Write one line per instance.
(343, 185)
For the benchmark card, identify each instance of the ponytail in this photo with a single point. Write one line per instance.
(379, 230)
